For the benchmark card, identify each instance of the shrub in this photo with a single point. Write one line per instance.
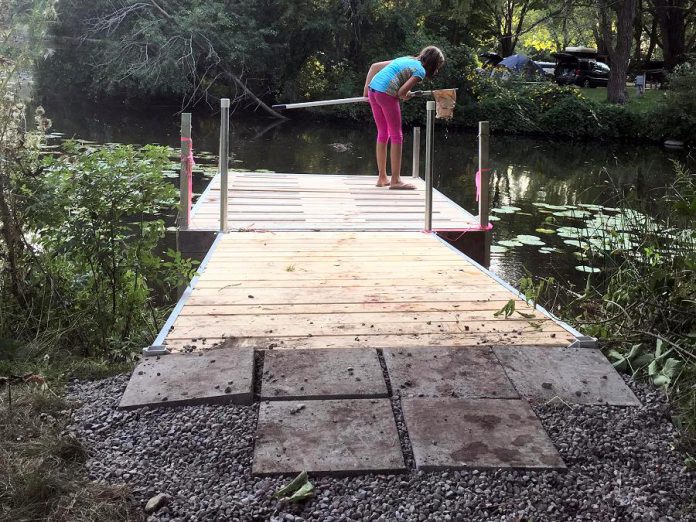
(677, 113)
(89, 271)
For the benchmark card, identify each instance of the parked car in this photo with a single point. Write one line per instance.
(548, 68)
(584, 72)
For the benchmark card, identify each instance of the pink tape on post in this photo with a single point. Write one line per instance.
(189, 169)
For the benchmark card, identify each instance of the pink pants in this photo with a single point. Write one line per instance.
(387, 113)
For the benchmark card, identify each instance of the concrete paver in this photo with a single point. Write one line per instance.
(447, 372)
(477, 433)
(575, 375)
(334, 437)
(322, 374)
(220, 375)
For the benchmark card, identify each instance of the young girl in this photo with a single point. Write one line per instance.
(386, 84)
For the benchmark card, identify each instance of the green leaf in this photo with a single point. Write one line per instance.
(661, 380)
(671, 368)
(297, 483)
(305, 492)
(658, 348)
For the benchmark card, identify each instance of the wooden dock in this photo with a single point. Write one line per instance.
(332, 261)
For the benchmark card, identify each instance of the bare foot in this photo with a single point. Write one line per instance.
(382, 182)
(402, 186)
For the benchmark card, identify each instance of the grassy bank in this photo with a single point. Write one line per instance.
(647, 103)
(42, 472)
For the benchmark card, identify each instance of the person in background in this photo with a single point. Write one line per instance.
(386, 84)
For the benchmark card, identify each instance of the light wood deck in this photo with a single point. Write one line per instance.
(346, 289)
(274, 201)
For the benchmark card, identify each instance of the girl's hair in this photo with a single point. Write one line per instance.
(432, 59)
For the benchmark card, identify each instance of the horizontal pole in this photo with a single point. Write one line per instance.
(359, 99)
(340, 101)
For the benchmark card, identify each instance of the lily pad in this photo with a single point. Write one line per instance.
(574, 242)
(545, 231)
(493, 218)
(587, 269)
(575, 213)
(529, 240)
(497, 249)
(510, 243)
(547, 206)
(506, 210)
(548, 250)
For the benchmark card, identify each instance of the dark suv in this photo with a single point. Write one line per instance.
(585, 73)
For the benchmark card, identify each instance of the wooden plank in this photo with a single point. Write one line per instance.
(407, 307)
(330, 295)
(476, 321)
(218, 281)
(220, 328)
(375, 341)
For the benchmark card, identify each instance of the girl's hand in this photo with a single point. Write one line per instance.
(405, 91)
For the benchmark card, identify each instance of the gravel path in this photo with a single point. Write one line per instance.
(620, 467)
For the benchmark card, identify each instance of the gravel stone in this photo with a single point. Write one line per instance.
(621, 466)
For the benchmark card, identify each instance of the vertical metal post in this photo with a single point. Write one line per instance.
(430, 109)
(224, 159)
(483, 137)
(416, 152)
(184, 181)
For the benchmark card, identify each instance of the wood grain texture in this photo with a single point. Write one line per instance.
(296, 290)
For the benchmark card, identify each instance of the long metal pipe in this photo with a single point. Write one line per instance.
(415, 172)
(224, 160)
(430, 109)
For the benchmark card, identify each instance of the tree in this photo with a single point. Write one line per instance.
(196, 47)
(508, 20)
(615, 29)
(674, 18)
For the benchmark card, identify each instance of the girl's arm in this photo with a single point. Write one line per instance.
(405, 91)
(374, 69)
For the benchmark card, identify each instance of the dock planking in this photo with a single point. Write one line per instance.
(278, 201)
(334, 289)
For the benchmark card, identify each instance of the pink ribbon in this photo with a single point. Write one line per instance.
(478, 183)
(189, 169)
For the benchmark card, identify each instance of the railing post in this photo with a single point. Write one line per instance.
(430, 109)
(186, 173)
(224, 159)
(416, 153)
(484, 170)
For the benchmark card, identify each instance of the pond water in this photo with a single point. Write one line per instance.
(528, 173)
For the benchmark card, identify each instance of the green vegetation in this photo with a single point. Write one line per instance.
(644, 310)
(79, 276)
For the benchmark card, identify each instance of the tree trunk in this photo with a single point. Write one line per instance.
(671, 16)
(638, 32)
(653, 40)
(619, 53)
(507, 45)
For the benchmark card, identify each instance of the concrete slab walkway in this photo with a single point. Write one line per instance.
(462, 407)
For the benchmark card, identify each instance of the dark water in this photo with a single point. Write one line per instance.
(526, 170)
